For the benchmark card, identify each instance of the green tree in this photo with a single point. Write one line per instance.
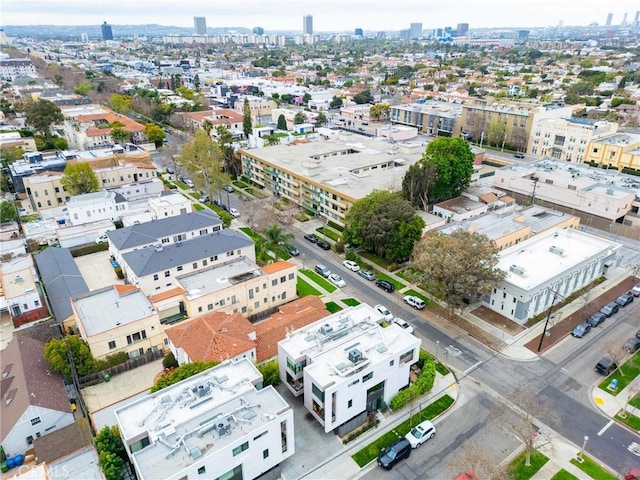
(275, 239)
(270, 373)
(154, 133)
(41, 114)
(83, 88)
(453, 161)
(119, 134)
(184, 371)
(202, 157)
(120, 103)
(10, 154)
(282, 123)
(271, 140)
(55, 352)
(230, 161)
(8, 212)
(321, 119)
(417, 183)
(299, 118)
(379, 110)
(111, 452)
(363, 97)
(385, 224)
(458, 267)
(207, 126)
(79, 178)
(336, 102)
(497, 132)
(246, 118)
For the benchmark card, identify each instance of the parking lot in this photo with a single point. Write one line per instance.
(97, 270)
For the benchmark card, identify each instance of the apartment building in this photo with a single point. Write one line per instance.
(432, 118)
(216, 424)
(553, 264)
(95, 206)
(169, 204)
(566, 138)
(22, 296)
(327, 176)
(118, 318)
(619, 150)
(345, 365)
(11, 68)
(218, 117)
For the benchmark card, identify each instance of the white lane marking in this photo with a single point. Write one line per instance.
(472, 367)
(604, 429)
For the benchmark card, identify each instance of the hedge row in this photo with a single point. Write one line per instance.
(422, 385)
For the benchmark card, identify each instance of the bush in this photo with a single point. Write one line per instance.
(89, 249)
(423, 384)
(352, 255)
(169, 361)
(119, 273)
(339, 247)
(185, 371)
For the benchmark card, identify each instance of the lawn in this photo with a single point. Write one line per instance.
(351, 302)
(333, 307)
(240, 184)
(305, 289)
(427, 302)
(327, 232)
(518, 470)
(381, 262)
(328, 286)
(371, 451)
(629, 420)
(253, 235)
(630, 368)
(635, 401)
(398, 284)
(564, 475)
(181, 185)
(197, 207)
(592, 469)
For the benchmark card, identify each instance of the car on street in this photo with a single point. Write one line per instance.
(632, 345)
(367, 275)
(581, 330)
(638, 334)
(322, 270)
(337, 280)
(636, 290)
(170, 170)
(351, 265)
(293, 251)
(610, 309)
(311, 238)
(518, 155)
(384, 311)
(398, 450)
(204, 199)
(228, 188)
(217, 203)
(606, 366)
(624, 299)
(421, 433)
(403, 324)
(415, 302)
(189, 183)
(385, 285)
(234, 213)
(102, 238)
(596, 319)
(323, 245)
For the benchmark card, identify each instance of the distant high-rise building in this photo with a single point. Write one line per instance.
(84, 37)
(258, 30)
(307, 25)
(636, 19)
(358, 32)
(200, 25)
(415, 30)
(381, 35)
(523, 33)
(439, 32)
(624, 19)
(609, 18)
(107, 33)
(462, 29)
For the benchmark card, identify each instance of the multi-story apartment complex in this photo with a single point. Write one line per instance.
(327, 176)
(566, 138)
(11, 68)
(216, 424)
(619, 150)
(432, 118)
(346, 365)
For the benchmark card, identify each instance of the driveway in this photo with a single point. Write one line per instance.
(97, 270)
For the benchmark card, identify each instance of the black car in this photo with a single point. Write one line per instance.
(596, 319)
(632, 345)
(323, 245)
(581, 330)
(386, 286)
(624, 299)
(398, 450)
(367, 275)
(311, 237)
(217, 203)
(610, 309)
(518, 155)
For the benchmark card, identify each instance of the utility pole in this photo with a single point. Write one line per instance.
(533, 195)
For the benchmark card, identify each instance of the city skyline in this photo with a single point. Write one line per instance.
(331, 15)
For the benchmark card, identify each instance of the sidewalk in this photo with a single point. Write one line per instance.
(610, 404)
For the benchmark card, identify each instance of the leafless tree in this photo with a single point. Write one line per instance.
(616, 351)
(478, 457)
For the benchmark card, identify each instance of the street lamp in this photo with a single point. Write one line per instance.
(303, 261)
(584, 444)
(437, 346)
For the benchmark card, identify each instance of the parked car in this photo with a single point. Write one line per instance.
(638, 334)
(632, 345)
(610, 309)
(228, 188)
(351, 265)
(385, 285)
(398, 450)
(204, 199)
(102, 238)
(189, 183)
(403, 324)
(322, 270)
(415, 302)
(367, 275)
(170, 170)
(384, 311)
(337, 280)
(605, 366)
(323, 245)
(518, 155)
(311, 237)
(581, 330)
(596, 319)
(217, 203)
(293, 251)
(624, 299)
(636, 290)
(234, 213)
(421, 433)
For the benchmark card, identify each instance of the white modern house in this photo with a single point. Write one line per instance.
(217, 424)
(169, 204)
(95, 206)
(346, 364)
(553, 263)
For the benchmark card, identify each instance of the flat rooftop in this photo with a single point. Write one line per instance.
(549, 255)
(112, 307)
(218, 277)
(210, 410)
(432, 108)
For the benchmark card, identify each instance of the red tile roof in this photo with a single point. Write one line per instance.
(277, 266)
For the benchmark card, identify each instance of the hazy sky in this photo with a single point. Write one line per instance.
(328, 15)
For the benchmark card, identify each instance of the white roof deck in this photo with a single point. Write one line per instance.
(218, 277)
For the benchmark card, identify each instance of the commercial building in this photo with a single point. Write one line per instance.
(432, 118)
(415, 31)
(346, 365)
(553, 264)
(327, 176)
(107, 32)
(216, 424)
(307, 25)
(200, 25)
(619, 150)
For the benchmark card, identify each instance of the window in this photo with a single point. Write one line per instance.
(210, 307)
(283, 435)
(155, 277)
(167, 273)
(112, 344)
(240, 448)
(35, 421)
(368, 376)
(260, 435)
(265, 453)
(391, 363)
(406, 357)
(202, 470)
(291, 276)
(317, 392)
(283, 279)
(36, 303)
(274, 283)
(350, 404)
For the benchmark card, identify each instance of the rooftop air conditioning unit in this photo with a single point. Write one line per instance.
(556, 250)
(517, 270)
(326, 329)
(355, 356)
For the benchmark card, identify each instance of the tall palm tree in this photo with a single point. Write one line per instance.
(207, 126)
(275, 239)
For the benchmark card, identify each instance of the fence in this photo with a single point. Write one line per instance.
(98, 377)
